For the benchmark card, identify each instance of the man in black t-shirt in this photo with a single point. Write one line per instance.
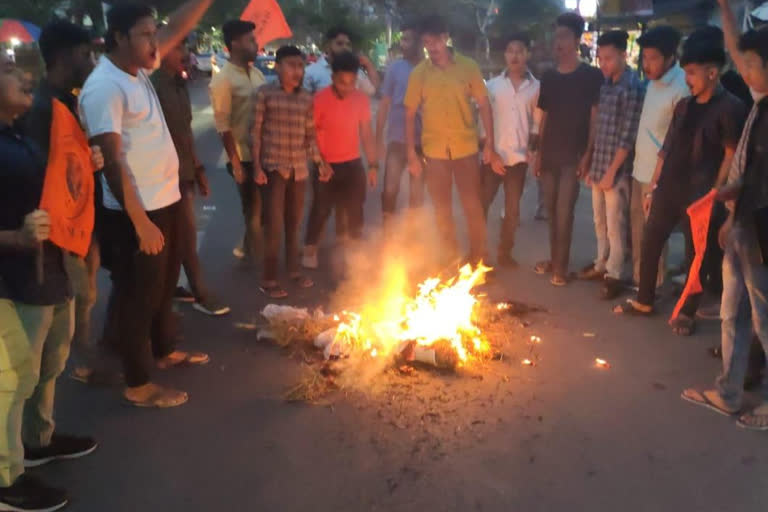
(565, 115)
(694, 159)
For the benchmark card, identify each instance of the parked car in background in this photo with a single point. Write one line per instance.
(203, 63)
(218, 60)
(266, 64)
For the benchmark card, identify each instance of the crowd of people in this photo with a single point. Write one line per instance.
(648, 149)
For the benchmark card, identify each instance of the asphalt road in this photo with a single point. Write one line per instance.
(571, 437)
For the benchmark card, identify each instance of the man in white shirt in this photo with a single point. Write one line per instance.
(122, 114)
(514, 95)
(337, 41)
(666, 88)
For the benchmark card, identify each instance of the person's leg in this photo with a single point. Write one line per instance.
(294, 210)
(568, 187)
(601, 228)
(416, 187)
(440, 185)
(394, 165)
(50, 330)
(662, 219)
(274, 210)
(84, 300)
(188, 242)
(251, 197)
(491, 183)
(637, 218)
(514, 184)
(322, 205)
(616, 208)
(356, 188)
(18, 375)
(541, 203)
(164, 321)
(468, 175)
(549, 187)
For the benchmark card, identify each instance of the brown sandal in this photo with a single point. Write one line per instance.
(162, 398)
(189, 359)
(302, 281)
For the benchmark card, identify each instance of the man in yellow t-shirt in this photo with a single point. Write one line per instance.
(443, 88)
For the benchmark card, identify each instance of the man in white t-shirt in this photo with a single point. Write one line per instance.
(122, 114)
(318, 75)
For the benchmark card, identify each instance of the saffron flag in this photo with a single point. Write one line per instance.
(269, 20)
(700, 213)
(68, 188)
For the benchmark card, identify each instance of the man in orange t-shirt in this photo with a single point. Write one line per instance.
(342, 118)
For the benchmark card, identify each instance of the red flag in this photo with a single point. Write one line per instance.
(68, 186)
(269, 20)
(700, 213)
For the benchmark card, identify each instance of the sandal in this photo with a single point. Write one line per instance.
(709, 399)
(302, 281)
(273, 291)
(756, 419)
(631, 308)
(188, 359)
(590, 273)
(558, 281)
(543, 267)
(683, 325)
(161, 398)
(96, 377)
(611, 289)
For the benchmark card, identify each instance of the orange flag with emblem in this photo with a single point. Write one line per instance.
(700, 214)
(68, 188)
(269, 20)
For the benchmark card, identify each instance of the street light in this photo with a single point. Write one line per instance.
(587, 8)
(15, 42)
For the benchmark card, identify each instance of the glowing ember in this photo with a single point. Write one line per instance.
(527, 362)
(535, 340)
(601, 363)
(442, 311)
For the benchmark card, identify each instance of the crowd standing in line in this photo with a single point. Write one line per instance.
(647, 151)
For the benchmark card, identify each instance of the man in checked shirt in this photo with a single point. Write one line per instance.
(618, 116)
(283, 141)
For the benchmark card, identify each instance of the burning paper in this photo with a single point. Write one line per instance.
(601, 363)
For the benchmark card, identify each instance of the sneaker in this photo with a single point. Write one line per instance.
(309, 257)
(183, 295)
(62, 447)
(30, 494)
(211, 306)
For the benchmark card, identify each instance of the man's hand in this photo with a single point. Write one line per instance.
(151, 240)
(647, 203)
(366, 62)
(582, 170)
(97, 157)
(373, 177)
(492, 158)
(725, 232)
(202, 183)
(36, 229)
(606, 183)
(238, 173)
(535, 159)
(415, 164)
(260, 177)
(326, 172)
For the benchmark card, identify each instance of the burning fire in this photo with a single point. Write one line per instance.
(442, 315)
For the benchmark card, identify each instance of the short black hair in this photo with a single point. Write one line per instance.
(756, 41)
(616, 38)
(334, 32)
(704, 46)
(61, 36)
(664, 38)
(233, 29)
(122, 18)
(573, 22)
(518, 37)
(433, 26)
(287, 51)
(345, 62)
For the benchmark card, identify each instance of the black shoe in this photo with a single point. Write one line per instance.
(28, 494)
(183, 295)
(61, 447)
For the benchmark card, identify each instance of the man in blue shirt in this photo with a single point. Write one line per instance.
(391, 114)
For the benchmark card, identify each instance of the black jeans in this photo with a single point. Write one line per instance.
(346, 192)
(142, 291)
(440, 175)
(667, 211)
(560, 186)
(395, 164)
(283, 210)
(514, 184)
(250, 199)
(188, 241)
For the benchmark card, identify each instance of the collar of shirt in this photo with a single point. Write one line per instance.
(623, 80)
(671, 75)
(48, 91)
(234, 68)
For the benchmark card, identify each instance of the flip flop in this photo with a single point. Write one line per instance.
(558, 281)
(97, 378)
(543, 267)
(190, 359)
(683, 326)
(755, 420)
(161, 399)
(628, 308)
(302, 281)
(697, 397)
(274, 291)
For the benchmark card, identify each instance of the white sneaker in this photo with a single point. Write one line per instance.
(309, 257)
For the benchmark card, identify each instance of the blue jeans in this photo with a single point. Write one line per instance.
(744, 308)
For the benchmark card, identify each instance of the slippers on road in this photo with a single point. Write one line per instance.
(188, 359)
(756, 419)
(709, 399)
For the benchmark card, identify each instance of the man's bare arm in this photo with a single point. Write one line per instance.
(369, 142)
(381, 121)
(180, 23)
(587, 158)
(725, 167)
(731, 34)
